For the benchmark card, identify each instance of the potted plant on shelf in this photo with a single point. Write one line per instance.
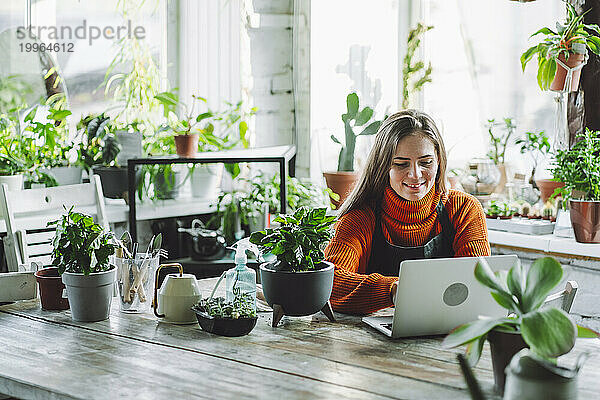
(567, 45)
(498, 145)
(549, 332)
(98, 152)
(579, 169)
(502, 210)
(537, 144)
(81, 251)
(298, 282)
(342, 182)
(56, 155)
(185, 127)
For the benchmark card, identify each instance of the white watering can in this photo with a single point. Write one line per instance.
(178, 293)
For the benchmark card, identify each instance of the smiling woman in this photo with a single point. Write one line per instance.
(400, 210)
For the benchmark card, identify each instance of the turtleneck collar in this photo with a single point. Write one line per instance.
(407, 211)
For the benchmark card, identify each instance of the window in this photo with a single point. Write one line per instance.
(474, 49)
(354, 47)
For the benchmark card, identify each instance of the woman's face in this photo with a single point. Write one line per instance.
(414, 167)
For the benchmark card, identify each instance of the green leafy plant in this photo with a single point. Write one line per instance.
(500, 209)
(549, 332)
(411, 67)
(299, 240)
(242, 306)
(353, 118)
(579, 168)
(80, 245)
(300, 193)
(536, 144)
(181, 120)
(499, 143)
(571, 37)
(53, 145)
(98, 145)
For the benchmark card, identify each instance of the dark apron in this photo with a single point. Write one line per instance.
(386, 257)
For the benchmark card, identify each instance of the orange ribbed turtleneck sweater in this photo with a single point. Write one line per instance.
(404, 223)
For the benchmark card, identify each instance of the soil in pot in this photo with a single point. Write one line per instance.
(51, 289)
(503, 346)
(186, 145)
(585, 219)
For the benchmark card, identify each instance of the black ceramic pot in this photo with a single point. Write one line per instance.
(225, 326)
(503, 346)
(114, 181)
(298, 293)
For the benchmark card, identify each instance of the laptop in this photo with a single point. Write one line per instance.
(436, 295)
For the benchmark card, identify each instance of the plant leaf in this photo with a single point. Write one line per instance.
(474, 350)
(543, 275)
(588, 333)
(371, 129)
(352, 105)
(550, 333)
(364, 116)
(471, 331)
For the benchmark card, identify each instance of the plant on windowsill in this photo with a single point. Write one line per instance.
(181, 121)
(549, 332)
(569, 45)
(299, 281)
(537, 145)
(502, 210)
(81, 251)
(342, 182)
(57, 158)
(579, 169)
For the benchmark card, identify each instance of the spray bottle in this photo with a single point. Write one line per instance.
(241, 277)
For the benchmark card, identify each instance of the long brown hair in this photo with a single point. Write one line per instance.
(375, 177)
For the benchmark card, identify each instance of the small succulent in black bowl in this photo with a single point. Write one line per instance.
(227, 318)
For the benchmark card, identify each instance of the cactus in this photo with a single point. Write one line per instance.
(352, 119)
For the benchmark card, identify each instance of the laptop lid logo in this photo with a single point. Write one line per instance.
(455, 294)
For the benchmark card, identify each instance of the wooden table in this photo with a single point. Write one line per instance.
(45, 355)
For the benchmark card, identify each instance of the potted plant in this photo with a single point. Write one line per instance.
(498, 145)
(537, 144)
(342, 182)
(549, 332)
(502, 210)
(56, 155)
(185, 127)
(579, 169)
(51, 289)
(566, 45)
(81, 251)
(298, 282)
(227, 318)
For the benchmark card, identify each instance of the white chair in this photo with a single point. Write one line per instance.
(564, 299)
(26, 215)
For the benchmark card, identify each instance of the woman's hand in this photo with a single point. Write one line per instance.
(393, 291)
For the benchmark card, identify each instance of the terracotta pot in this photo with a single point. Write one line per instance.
(186, 145)
(561, 74)
(51, 289)
(547, 187)
(503, 346)
(342, 183)
(585, 219)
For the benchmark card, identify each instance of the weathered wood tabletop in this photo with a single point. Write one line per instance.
(45, 355)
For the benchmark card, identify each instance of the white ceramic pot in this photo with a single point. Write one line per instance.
(65, 175)
(14, 182)
(206, 180)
